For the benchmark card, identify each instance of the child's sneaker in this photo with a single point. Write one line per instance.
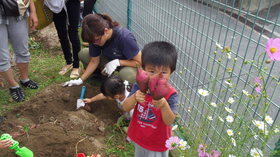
(29, 84)
(17, 94)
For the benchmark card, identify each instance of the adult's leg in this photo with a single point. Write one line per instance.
(5, 67)
(128, 73)
(61, 28)
(18, 35)
(84, 57)
(88, 7)
(9, 77)
(73, 9)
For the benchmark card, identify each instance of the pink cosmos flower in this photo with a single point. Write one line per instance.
(202, 151)
(273, 49)
(172, 143)
(258, 89)
(215, 153)
(258, 80)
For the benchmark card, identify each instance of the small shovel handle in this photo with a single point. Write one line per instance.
(83, 92)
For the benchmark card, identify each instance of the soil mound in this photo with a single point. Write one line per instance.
(50, 125)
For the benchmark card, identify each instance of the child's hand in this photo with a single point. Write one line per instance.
(139, 96)
(6, 143)
(161, 103)
(87, 100)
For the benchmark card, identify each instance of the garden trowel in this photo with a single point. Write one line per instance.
(80, 102)
(21, 152)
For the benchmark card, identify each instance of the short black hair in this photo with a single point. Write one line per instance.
(112, 86)
(159, 53)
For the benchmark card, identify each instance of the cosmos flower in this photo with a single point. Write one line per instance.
(174, 127)
(173, 142)
(203, 92)
(229, 119)
(213, 104)
(233, 142)
(230, 132)
(273, 49)
(231, 100)
(245, 92)
(268, 119)
(255, 152)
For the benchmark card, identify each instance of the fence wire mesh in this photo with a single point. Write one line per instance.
(201, 30)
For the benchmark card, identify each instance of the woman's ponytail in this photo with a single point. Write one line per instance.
(110, 21)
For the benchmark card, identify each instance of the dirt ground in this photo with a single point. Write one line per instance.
(50, 125)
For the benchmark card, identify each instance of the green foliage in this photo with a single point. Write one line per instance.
(116, 142)
(44, 67)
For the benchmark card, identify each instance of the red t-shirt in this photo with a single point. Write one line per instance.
(147, 127)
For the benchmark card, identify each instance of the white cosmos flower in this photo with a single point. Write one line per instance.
(230, 155)
(230, 132)
(231, 100)
(245, 92)
(228, 55)
(233, 142)
(228, 110)
(219, 46)
(268, 119)
(221, 119)
(229, 119)
(203, 92)
(183, 145)
(255, 152)
(213, 104)
(228, 83)
(210, 118)
(174, 127)
(261, 125)
(276, 130)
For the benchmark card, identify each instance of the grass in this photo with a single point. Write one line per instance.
(116, 142)
(44, 66)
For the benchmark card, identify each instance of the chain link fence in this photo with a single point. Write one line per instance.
(221, 45)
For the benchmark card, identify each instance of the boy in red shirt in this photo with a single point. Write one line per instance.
(151, 120)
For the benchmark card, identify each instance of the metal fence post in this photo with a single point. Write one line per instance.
(129, 6)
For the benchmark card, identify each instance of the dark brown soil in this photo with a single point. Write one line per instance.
(50, 125)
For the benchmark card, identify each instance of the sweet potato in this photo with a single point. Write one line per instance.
(142, 80)
(159, 87)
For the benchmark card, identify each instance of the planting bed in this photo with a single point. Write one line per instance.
(50, 125)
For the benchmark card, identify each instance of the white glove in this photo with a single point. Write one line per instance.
(73, 82)
(111, 67)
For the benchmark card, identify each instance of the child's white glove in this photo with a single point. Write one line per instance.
(111, 67)
(73, 82)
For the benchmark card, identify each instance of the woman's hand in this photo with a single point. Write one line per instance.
(33, 19)
(111, 67)
(139, 96)
(87, 100)
(6, 143)
(76, 82)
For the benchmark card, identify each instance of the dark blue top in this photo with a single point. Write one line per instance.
(172, 101)
(122, 45)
